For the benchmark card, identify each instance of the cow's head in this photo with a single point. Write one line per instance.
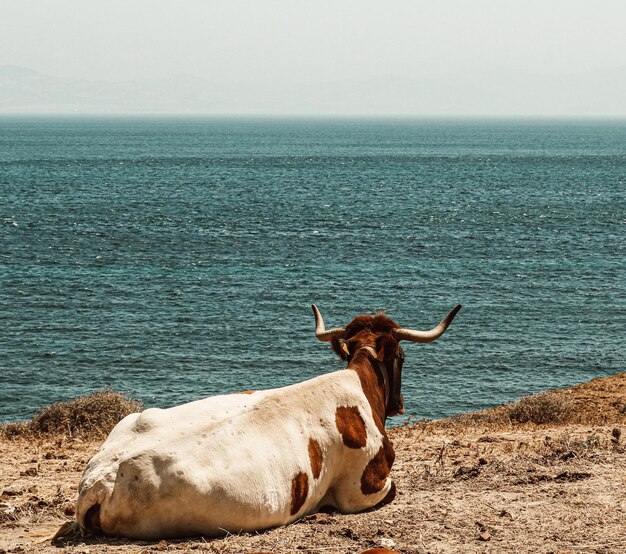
(379, 338)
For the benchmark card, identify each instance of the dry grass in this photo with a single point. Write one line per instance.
(87, 417)
(543, 408)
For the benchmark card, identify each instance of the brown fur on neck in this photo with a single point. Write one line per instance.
(376, 332)
(372, 385)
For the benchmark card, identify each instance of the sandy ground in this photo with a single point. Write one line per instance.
(468, 484)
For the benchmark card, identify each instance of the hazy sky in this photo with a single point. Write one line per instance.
(298, 41)
(292, 40)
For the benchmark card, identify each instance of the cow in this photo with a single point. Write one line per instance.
(245, 462)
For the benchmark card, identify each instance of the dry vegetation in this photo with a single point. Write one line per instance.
(546, 474)
(89, 417)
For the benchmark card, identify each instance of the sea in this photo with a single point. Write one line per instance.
(174, 258)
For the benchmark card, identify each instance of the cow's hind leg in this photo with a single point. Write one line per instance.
(351, 499)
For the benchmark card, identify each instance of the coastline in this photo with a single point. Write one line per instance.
(497, 480)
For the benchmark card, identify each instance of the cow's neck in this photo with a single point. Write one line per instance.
(374, 381)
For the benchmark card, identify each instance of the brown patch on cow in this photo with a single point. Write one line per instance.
(247, 392)
(299, 491)
(377, 470)
(351, 426)
(316, 457)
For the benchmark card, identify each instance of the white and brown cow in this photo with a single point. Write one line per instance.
(243, 462)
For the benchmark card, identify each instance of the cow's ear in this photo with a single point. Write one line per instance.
(340, 348)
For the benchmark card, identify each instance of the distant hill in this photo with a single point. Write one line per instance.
(23, 90)
(15, 72)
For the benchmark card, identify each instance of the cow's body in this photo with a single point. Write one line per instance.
(231, 463)
(244, 462)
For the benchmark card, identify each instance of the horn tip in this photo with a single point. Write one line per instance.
(453, 313)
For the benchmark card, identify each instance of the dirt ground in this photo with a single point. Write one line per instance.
(475, 483)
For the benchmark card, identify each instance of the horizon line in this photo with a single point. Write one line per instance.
(282, 115)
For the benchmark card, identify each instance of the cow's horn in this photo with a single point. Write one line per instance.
(320, 331)
(427, 336)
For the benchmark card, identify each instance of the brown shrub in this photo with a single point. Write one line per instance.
(552, 407)
(17, 429)
(90, 416)
(542, 408)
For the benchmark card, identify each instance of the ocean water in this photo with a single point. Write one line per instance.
(176, 258)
